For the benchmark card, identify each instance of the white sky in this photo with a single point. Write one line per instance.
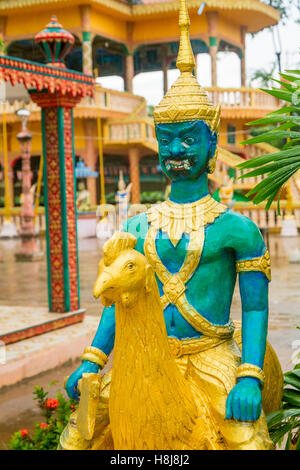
(260, 54)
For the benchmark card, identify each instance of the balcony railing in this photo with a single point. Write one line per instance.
(105, 101)
(242, 98)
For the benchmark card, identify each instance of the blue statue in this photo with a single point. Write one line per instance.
(196, 246)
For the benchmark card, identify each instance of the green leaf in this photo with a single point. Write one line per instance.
(291, 78)
(291, 396)
(297, 445)
(272, 135)
(277, 417)
(275, 120)
(273, 166)
(278, 433)
(272, 180)
(286, 85)
(292, 378)
(262, 159)
(285, 109)
(281, 94)
(297, 72)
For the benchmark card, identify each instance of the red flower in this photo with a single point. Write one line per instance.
(51, 403)
(43, 425)
(24, 433)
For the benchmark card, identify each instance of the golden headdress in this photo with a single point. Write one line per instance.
(186, 100)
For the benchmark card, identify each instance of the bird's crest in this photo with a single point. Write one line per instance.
(119, 242)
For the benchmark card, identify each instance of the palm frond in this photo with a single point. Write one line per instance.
(278, 167)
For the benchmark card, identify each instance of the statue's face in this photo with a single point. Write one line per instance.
(185, 149)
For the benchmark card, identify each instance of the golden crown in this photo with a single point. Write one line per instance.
(186, 100)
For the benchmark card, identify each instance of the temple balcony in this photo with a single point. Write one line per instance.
(236, 103)
(242, 103)
(107, 104)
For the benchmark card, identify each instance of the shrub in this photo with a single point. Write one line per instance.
(286, 421)
(56, 412)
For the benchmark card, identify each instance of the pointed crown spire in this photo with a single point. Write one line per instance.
(186, 100)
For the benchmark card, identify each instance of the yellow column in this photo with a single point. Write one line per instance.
(90, 155)
(87, 53)
(212, 23)
(7, 202)
(101, 162)
(129, 73)
(243, 59)
(165, 66)
(134, 169)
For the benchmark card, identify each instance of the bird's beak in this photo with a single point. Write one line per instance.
(103, 282)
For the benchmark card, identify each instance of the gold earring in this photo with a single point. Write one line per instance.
(212, 163)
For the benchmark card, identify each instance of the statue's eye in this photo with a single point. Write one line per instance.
(164, 141)
(189, 140)
(130, 266)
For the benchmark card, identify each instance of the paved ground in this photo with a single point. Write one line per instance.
(26, 284)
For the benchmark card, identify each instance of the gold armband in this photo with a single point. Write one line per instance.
(256, 264)
(250, 370)
(95, 355)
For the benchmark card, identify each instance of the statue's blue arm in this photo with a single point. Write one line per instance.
(104, 339)
(244, 400)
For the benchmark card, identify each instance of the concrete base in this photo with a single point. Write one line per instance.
(295, 256)
(35, 355)
(289, 227)
(8, 230)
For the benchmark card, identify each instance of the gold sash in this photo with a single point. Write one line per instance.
(176, 219)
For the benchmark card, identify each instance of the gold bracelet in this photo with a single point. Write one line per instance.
(250, 370)
(95, 355)
(256, 264)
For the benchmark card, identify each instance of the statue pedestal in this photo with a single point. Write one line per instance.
(86, 224)
(8, 230)
(29, 252)
(289, 227)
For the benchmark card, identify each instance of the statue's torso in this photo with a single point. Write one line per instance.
(210, 289)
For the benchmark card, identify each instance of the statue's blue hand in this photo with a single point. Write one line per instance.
(71, 385)
(244, 400)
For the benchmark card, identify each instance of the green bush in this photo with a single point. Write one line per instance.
(45, 436)
(286, 421)
(152, 197)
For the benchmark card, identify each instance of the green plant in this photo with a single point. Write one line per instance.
(152, 197)
(286, 421)
(278, 167)
(56, 412)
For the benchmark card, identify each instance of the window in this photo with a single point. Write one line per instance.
(231, 134)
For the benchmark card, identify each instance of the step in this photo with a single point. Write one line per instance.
(38, 354)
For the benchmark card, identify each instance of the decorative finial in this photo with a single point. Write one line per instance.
(185, 60)
(56, 42)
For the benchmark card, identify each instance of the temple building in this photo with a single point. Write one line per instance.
(125, 38)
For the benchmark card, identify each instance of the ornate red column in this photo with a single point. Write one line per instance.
(59, 169)
(56, 90)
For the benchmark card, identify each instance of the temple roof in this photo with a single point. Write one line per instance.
(251, 13)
